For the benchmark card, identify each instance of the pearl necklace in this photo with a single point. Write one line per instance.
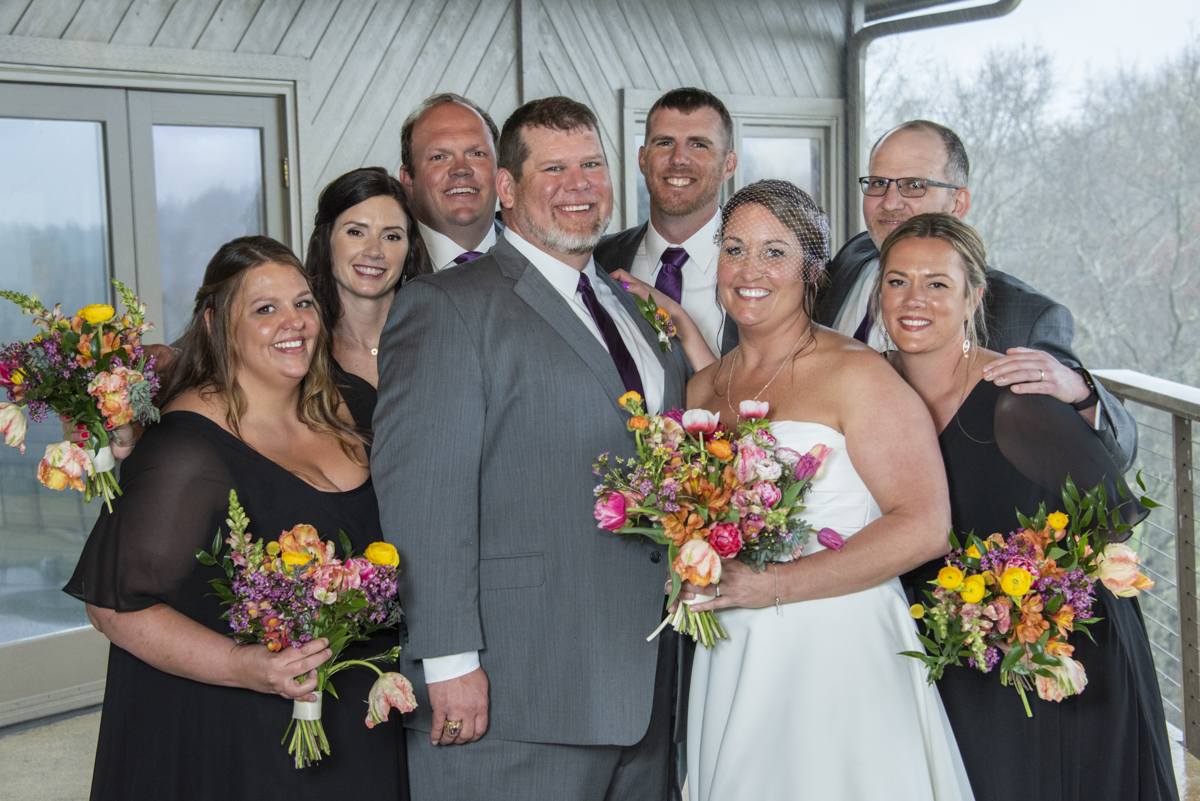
(729, 381)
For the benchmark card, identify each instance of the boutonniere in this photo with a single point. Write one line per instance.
(659, 319)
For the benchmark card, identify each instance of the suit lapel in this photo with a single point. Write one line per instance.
(533, 288)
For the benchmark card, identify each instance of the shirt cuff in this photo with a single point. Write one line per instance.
(444, 668)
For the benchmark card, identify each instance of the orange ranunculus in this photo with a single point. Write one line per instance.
(720, 449)
(1064, 619)
(683, 526)
(1031, 624)
(638, 423)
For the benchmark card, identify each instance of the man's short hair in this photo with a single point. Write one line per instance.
(958, 167)
(410, 122)
(688, 99)
(556, 113)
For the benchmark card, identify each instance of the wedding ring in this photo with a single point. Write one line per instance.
(718, 592)
(1041, 375)
(452, 727)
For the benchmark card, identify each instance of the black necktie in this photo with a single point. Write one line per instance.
(612, 337)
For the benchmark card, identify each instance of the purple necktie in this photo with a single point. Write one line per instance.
(864, 328)
(463, 258)
(612, 338)
(670, 275)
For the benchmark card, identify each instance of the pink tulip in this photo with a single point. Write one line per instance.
(812, 464)
(788, 456)
(1117, 566)
(753, 410)
(1069, 679)
(13, 424)
(768, 492)
(831, 539)
(700, 421)
(610, 511)
(389, 690)
(698, 563)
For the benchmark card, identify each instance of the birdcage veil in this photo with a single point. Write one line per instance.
(767, 242)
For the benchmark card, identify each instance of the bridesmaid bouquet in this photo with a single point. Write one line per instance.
(293, 590)
(708, 493)
(1014, 600)
(90, 367)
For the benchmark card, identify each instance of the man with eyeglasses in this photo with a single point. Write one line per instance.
(920, 167)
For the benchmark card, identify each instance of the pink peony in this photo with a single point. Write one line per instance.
(700, 421)
(1118, 567)
(830, 539)
(788, 456)
(768, 492)
(753, 410)
(610, 511)
(1023, 563)
(745, 502)
(753, 463)
(13, 424)
(331, 580)
(1000, 612)
(812, 464)
(726, 540)
(389, 690)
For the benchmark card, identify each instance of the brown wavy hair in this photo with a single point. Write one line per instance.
(207, 359)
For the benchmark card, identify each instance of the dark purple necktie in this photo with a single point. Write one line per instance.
(463, 258)
(864, 328)
(612, 338)
(670, 275)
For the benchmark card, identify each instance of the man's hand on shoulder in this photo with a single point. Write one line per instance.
(463, 699)
(1035, 372)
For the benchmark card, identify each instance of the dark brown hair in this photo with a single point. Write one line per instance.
(207, 359)
(689, 99)
(342, 193)
(555, 113)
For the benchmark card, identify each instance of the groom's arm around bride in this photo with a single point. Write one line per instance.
(498, 388)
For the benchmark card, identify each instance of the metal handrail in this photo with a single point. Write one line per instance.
(1183, 404)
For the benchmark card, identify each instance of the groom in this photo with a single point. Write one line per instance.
(498, 388)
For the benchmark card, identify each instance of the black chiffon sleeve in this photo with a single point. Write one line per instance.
(1047, 441)
(175, 489)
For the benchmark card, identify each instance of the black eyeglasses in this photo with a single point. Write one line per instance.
(877, 186)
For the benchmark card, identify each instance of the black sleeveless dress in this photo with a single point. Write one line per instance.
(164, 736)
(1007, 452)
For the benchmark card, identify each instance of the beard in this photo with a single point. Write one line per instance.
(707, 189)
(559, 240)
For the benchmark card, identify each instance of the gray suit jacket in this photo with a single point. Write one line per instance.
(616, 252)
(494, 400)
(1018, 316)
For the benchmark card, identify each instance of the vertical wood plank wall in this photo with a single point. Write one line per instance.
(371, 61)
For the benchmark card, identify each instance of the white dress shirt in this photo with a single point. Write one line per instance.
(443, 250)
(855, 307)
(565, 280)
(699, 296)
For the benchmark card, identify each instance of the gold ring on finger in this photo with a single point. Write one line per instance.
(1041, 375)
(452, 727)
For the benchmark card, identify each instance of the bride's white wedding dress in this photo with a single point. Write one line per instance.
(814, 701)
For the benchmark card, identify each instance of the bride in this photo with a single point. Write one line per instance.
(809, 697)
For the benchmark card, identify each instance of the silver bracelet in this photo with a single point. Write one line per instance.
(778, 611)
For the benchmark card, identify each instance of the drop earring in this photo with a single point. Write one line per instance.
(887, 341)
(966, 347)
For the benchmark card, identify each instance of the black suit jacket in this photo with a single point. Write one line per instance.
(616, 252)
(1018, 316)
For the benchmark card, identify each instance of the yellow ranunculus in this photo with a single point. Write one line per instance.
(950, 577)
(629, 396)
(973, 589)
(382, 553)
(295, 558)
(97, 313)
(1058, 521)
(973, 552)
(917, 611)
(1015, 581)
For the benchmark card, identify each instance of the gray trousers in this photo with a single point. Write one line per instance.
(506, 770)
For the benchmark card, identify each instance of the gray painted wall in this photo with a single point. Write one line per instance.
(370, 61)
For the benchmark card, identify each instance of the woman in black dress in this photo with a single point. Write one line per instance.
(1003, 452)
(188, 714)
(365, 243)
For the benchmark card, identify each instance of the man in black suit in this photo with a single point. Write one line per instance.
(448, 165)
(687, 156)
(920, 167)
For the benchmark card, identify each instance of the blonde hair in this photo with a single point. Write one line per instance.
(965, 241)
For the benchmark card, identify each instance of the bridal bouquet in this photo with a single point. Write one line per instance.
(89, 367)
(292, 590)
(708, 492)
(1014, 600)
